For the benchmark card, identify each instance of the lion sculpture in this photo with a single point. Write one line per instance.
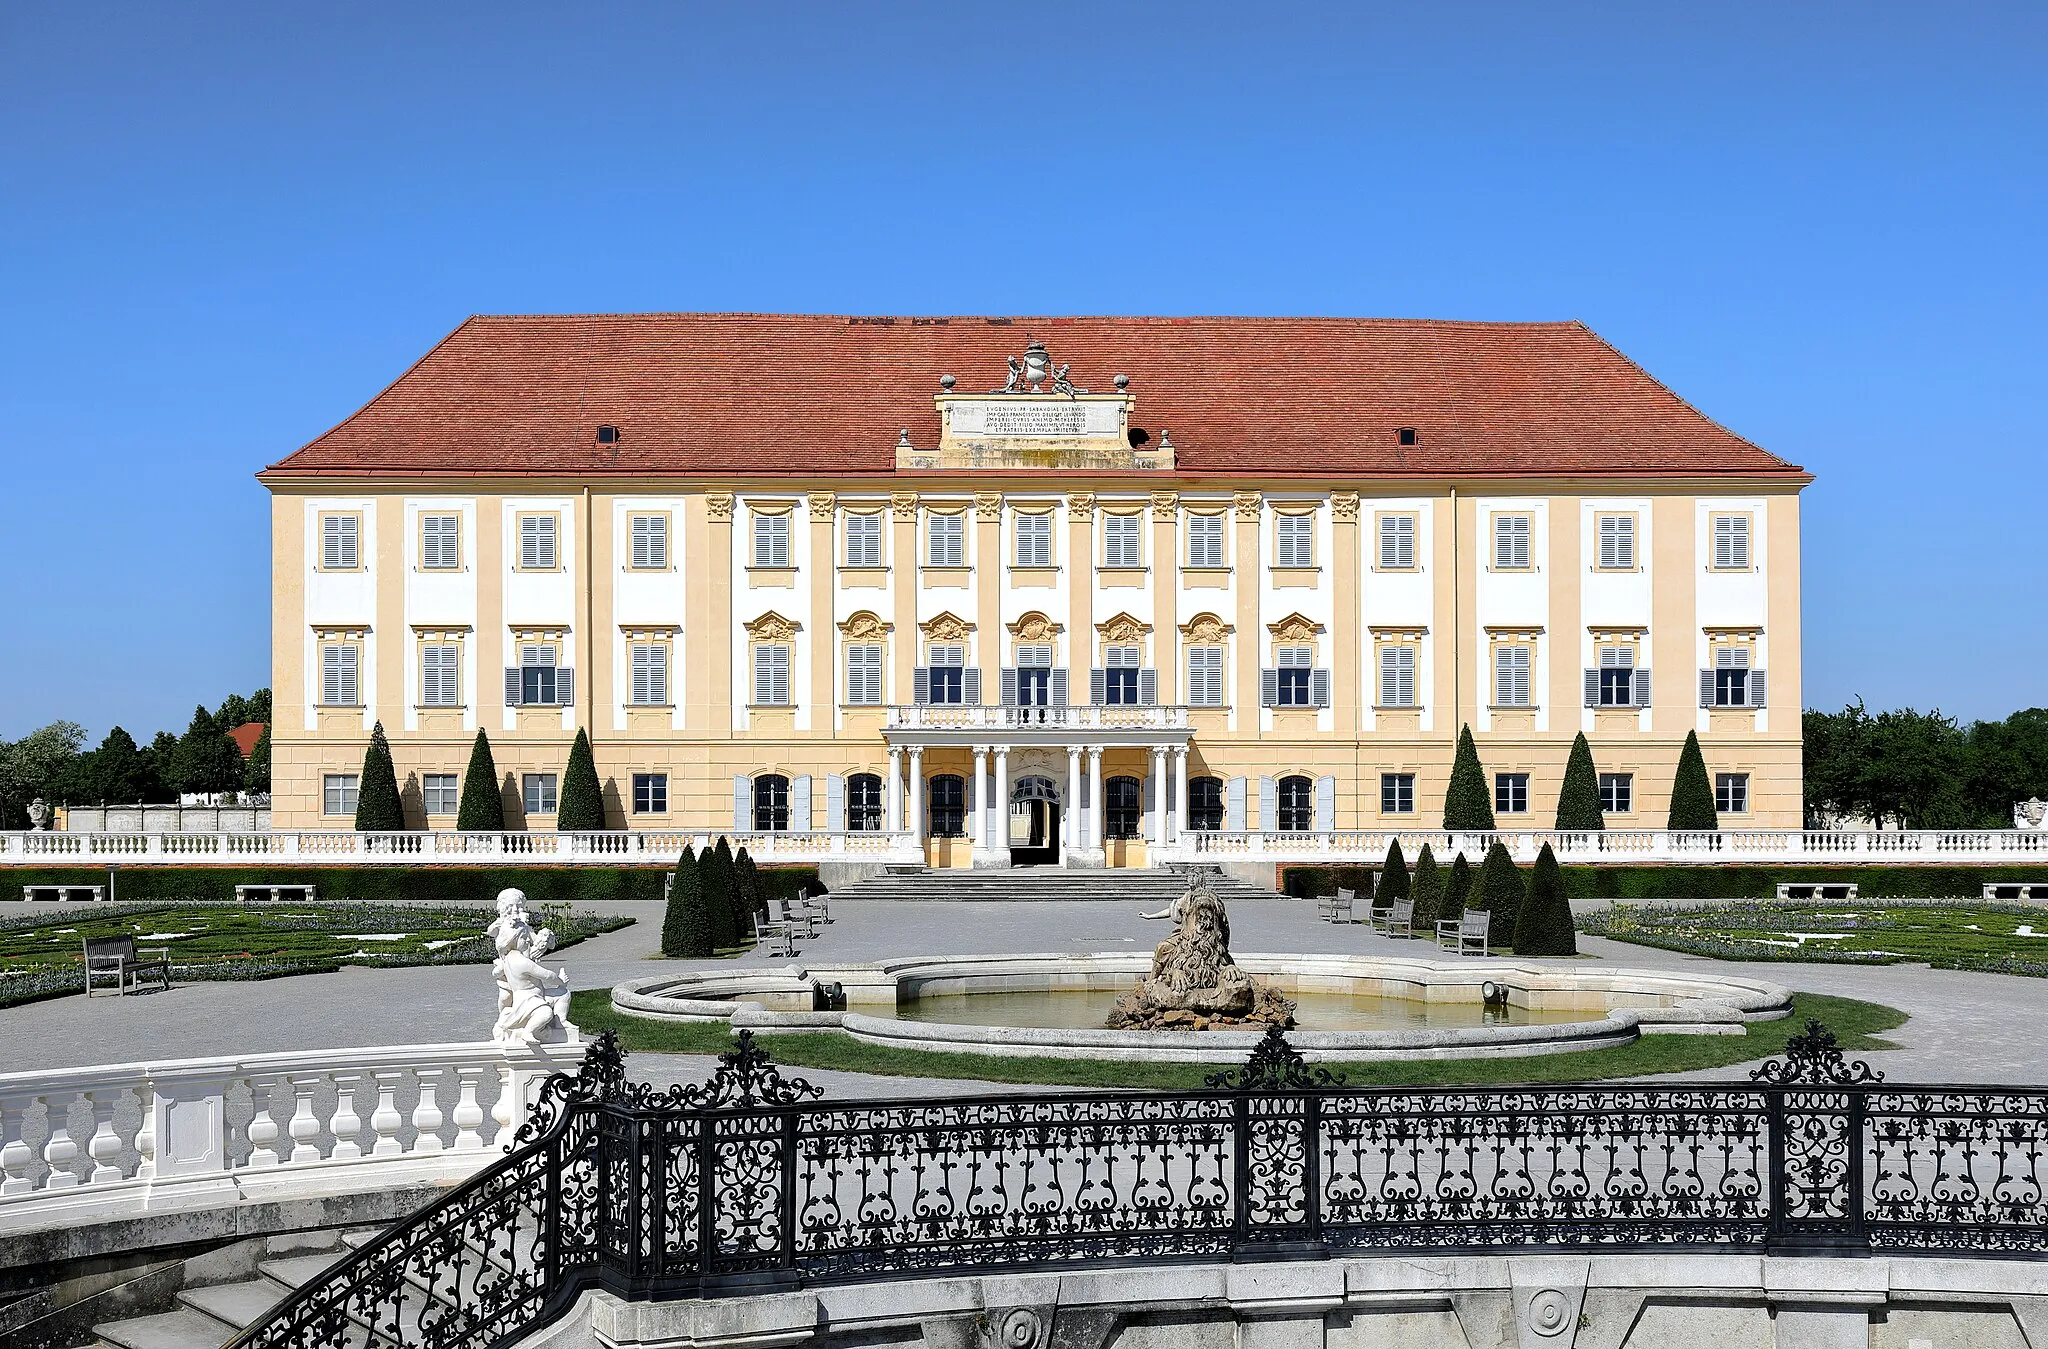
(1194, 984)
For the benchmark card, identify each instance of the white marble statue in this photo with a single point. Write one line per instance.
(533, 1001)
(38, 814)
(2030, 814)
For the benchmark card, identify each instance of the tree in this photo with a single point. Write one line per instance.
(378, 808)
(1500, 893)
(1468, 805)
(36, 765)
(205, 760)
(118, 773)
(1456, 890)
(1393, 884)
(1692, 796)
(482, 808)
(1544, 927)
(2008, 763)
(685, 927)
(581, 808)
(236, 710)
(1427, 890)
(716, 869)
(1578, 801)
(256, 770)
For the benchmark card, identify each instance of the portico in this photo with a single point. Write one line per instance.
(1097, 785)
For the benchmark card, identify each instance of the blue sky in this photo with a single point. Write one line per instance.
(224, 227)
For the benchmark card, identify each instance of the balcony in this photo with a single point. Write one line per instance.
(1120, 724)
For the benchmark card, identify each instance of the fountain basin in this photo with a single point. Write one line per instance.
(1430, 1009)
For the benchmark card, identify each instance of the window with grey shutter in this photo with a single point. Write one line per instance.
(771, 675)
(1731, 676)
(440, 675)
(1325, 819)
(1731, 542)
(1205, 540)
(946, 540)
(1205, 676)
(537, 681)
(1756, 688)
(1148, 688)
(1059, 686)
(1706, 688)
(1034, 539)
(1233, 805)
(650, 541)
(1397, 542)
(340, 542)
(513, 690)
(1642, 687)
(1120, 541)
(1269, 804)
(1121, 677)
(1511, 675)
(1098, 687)
(864, 675)
(1294, 540)
(771, 540)
(921, 685)
(440, 542)
(970, 686)
(864, 539)
(1269, 688)
(835, 803)
(537, 542)
(565, 686)
(1592, 689)
(1511, 535)
(1397, 675)
(338, 687)
(650, 674)
(1612, 683)
(1319, 688)
(742, 802)
(800, 803)
(1617, 541)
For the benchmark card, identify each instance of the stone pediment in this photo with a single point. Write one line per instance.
(1038, 418)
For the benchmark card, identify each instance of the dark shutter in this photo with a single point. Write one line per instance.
(1592, 688)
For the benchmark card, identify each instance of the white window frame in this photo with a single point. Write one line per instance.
(1294, 539)
(341, 541)
(339, 793)
(647, 658)
(771, 539)
(1507, 788)
(440, 674)
(644, 787)
(863, 538)
(1397, 674)
(1123, 540)
(1206, 542)
(1730, 544)
(540, 793)
(945, 534)
(1397, 541)
(1205, 676)
(1617, 793)
(341, 674)
(1616, 535)
(1514, 541)
(864, 674)
(1731, 793)
(772, 674)
(440, 793)
(649, 533)
(440, 541)
(1033, 530)
(539, 541)
(1514, 674)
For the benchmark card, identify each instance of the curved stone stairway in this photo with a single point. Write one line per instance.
(208, 1317)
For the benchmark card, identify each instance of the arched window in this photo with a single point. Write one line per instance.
(771, 802)
(864, 803)
(1124, 811)
(948, 805)
(1205, 803)
(1297, 805)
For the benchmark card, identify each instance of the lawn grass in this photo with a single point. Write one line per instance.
(1857, 1025)
(2000, 938)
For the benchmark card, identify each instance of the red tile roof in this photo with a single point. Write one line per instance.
(755, 394)
(246, 735)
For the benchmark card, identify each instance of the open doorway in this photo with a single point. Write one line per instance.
(1034, 822)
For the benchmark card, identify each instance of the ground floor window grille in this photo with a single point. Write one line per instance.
(1296, 797)
(948, 806)
(1124, 799)
(1205, 803)
(771, 803)
(864, 803)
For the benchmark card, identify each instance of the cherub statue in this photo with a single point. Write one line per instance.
(533, 1001)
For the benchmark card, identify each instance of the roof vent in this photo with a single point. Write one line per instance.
(607, 435)
(1408, 435)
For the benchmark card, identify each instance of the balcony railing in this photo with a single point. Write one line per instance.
(1077, 717)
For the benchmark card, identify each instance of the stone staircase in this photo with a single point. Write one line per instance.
(208, 1317)
(1014, 885)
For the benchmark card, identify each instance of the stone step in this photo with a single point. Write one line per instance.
(1035, 885)
(295, 1270)
(236, 1304)
(185, 1328)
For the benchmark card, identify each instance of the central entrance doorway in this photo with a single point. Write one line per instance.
(1034, 836)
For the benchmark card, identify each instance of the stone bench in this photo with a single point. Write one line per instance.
(1827, 890)
(297, 893)
(2016, 890)
(64, 894)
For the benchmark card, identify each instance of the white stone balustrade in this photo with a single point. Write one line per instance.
(1077, 717)
(204, 1132)
(441, 847)
(1612, 846)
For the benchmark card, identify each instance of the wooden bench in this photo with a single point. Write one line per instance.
(116, 958)
(817, 906)
(276, 894)
(775, 934)
(1824, 890)
(1336, 908)
(1396, 919)
(64, 894)
(1468, 930)
(2017, 890)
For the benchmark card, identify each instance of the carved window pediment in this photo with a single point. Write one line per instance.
(1035, 627)
(1295, 628)
(865, 626)
(1206, 628)
(772, 627)
(946, 627)
(1123, 629)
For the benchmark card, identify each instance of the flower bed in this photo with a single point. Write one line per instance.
(1998, 938)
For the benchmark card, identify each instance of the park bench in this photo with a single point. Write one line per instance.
(64, 894)
(2019, 890)
(775, 934)
(1469, 930)
(1396, 919)
(1336, 908)
(277, 894)
(1812, 890)
(117, 959)
(816, 907)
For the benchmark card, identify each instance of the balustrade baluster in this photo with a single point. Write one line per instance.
(61, 1149)
(346, 1125)
(104, 1147)
(145, 1132)
(469, 1116)
(263, 1130)
(386, 1120)
(15, 1154)
(427, 1116)
(305, 1125)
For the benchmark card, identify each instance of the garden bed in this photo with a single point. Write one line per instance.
(1999, 938)
(42, 955)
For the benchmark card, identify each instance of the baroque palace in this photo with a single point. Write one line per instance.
(1014, 591)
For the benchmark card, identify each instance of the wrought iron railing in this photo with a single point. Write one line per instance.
(748, 1182)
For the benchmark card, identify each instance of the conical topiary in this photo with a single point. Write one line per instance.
(1457, 890)
(1692, 796)
(482, 809)
(378, 809)
(1393, 882)
(715, 868)
(1578, 801)
(1427, 890)
(685, 927)
(752, 902)
(1500, 893)
(1545, 926)
(581, 808)
(1468, 805)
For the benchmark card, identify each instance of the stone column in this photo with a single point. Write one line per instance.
(1158, 776)
(1070, 818)
(1180, 792)
(894, 806)
(999, 798)
(916, 821)
(980, 798)
(1095, 815)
